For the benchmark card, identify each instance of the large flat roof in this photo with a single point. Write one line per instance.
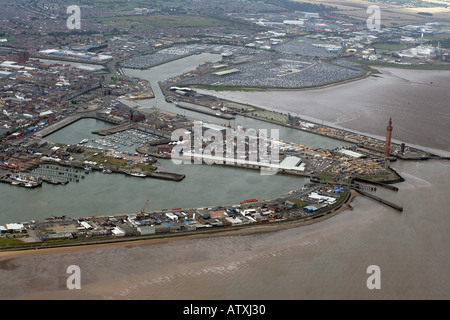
(224, 72)
(351, 153)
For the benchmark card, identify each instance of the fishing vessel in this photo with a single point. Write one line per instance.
(28, 182)
(137, 174)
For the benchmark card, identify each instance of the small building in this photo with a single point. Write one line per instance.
(247, 212)
(350, 153)
(86, 225)
(46, 113)
(118, 232)
(204, 215)
(146, 230)
(15, 227)
(234, 221)
(171, 216)
(56, 236)
(310, 209)
(162, 228)
(226, 72)
(290, 204)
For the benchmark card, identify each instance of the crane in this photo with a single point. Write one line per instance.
(142, 211)
(292, 119)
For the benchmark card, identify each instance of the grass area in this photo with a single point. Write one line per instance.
(166, 21)
(326, 175)
(424, 66)
(145, 167)
(389, 46)
(6, 242)
(369, 65)
(299, 203)
(100, 159)
(269, 117)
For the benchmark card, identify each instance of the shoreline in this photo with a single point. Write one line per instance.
(365, 75)
(244, 230)
(229, 97)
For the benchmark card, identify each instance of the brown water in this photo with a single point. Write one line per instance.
(417, 101)
(327, 260)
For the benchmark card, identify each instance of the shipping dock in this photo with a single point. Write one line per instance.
(217, 114)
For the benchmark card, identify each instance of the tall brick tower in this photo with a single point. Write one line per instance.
(387, 147)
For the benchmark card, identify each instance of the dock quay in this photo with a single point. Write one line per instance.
(385, 202)
(384, 185)
(71, 119)
(210, 113)
(263, 214)
(20, 179)
(166, 176)
(353, 185)
(54, 174)
(112, 130)
(368, 144)
(63, 172)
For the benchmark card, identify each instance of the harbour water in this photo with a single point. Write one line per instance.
(100, 194)
(327, 260)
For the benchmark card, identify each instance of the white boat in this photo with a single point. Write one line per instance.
(18, 180)
(84, 141)
(137, 174)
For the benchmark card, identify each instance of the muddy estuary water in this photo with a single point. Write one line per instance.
(417, 101)
(327, 260)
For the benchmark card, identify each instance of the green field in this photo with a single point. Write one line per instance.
(166, 21)
(6, 242)
(389, 46)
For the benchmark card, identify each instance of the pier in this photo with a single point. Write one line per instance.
(385, 202)
(383, 185)
(54, 174)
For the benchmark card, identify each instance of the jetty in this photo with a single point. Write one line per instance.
(385, 202)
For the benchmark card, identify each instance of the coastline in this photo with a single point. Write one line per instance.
(223, 232)
(403, 94)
